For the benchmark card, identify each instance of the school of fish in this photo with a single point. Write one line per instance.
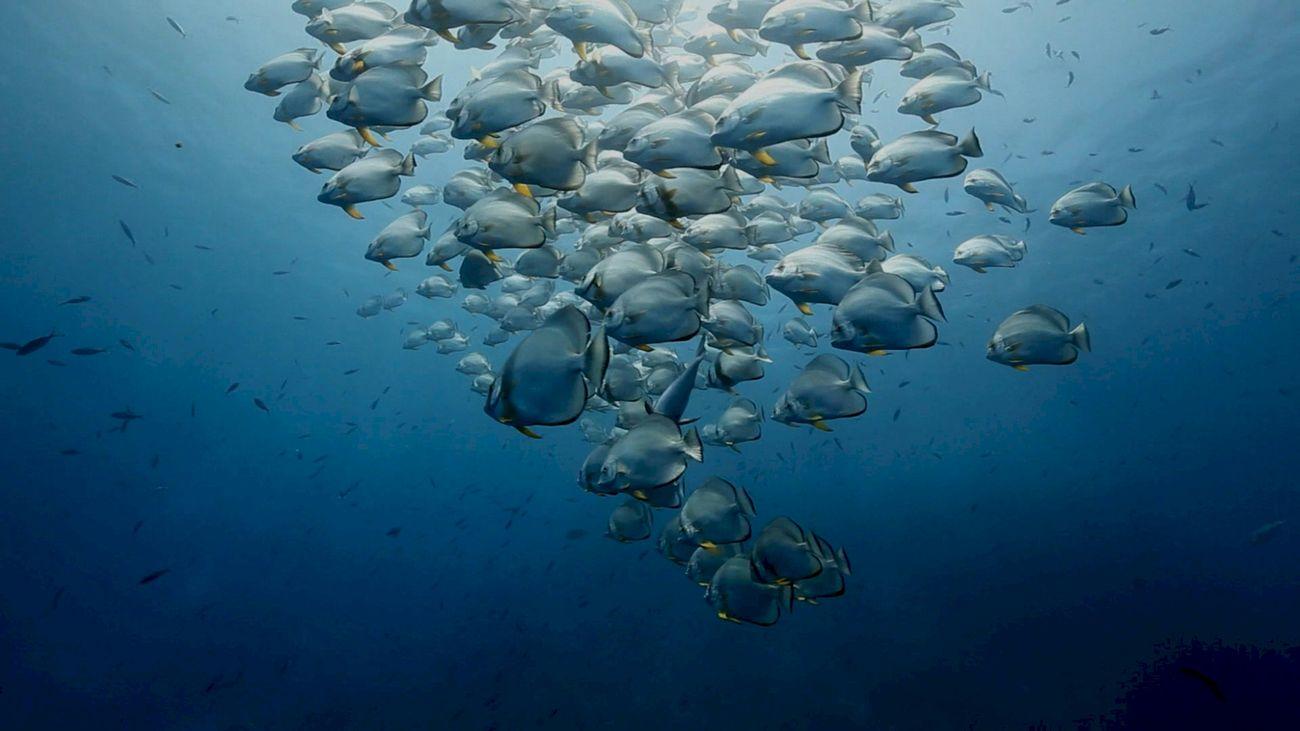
(620, 157)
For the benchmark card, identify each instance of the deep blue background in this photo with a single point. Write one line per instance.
(1021, 542)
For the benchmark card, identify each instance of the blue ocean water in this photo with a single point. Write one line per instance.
(1023, 543)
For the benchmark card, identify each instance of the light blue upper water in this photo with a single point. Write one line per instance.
(1021, 541)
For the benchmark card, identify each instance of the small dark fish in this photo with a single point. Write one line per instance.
(1265, 533)
(897, 413)
(1070, 83)
(259, 403)
(69, 452)
(56, 363)
(1190, 200)
(54, 603)
(75, 300)
(904, 384)
(334, 342)
(153, 576)
(88, 351)
(159, 97)
(280, 272)
(955, 213)
(127, 230)
(394, 532)
(201, 247)
(126, 181)
(232, 387)
(1173, 284)
(1160, 31)
(1162, 189)
(31, 346)
(1217, 142)
(10, 346)
(1205, 680)
(300, 318)
(351, 371)
(1189, 252)
(177, 27)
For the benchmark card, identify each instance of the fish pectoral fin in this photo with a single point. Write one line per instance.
(338, 48)
(644, 348)
(528, 432)
(805, 308)
(764, 157)
(580, 48)
(929, 119)
(800, 52)
(908, 188)
(489, 142)
(369, 136)
(493, 257)
(353, 212)
(877, 352)
(445, 266)
(1078, 230)
(1021, 368)
(523, 189)
(447, 36)
(390, 266)
(819, 424)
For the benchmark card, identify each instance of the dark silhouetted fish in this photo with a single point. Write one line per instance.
(31, 346)
(153, 576)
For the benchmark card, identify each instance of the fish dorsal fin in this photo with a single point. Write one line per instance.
(1052, 315)
(807, 72)
(945, 49)
(830, 364)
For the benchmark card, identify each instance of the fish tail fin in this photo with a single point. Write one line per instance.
(1080, 337)
(1127, 199)
(928, 304)
(432, 91)
(550, 95)
(848, 95)
(647, 41)
(590, 153)
(693, 446)
(702, 299)
(985, 82)
(912, 40)
(595, 359)
(864, 12)
(821, 152)
(408, 165)
(842, 561)
(731, 180)
(970, 145)
(548, 221)
(672, 74)
(858, 380)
